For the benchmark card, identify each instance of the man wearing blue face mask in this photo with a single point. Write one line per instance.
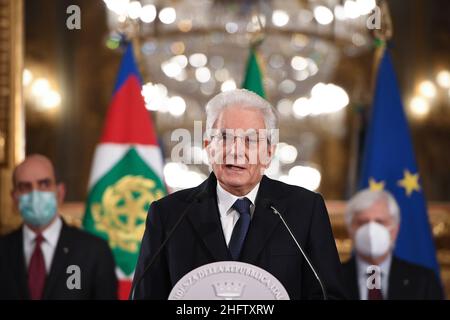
(46, 258)
(374, 273)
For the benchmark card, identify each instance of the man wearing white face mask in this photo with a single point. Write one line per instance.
(38, 260)
(374, 273)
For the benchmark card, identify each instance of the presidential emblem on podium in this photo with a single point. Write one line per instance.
(228, 280)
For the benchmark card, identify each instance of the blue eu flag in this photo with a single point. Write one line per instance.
(389, 163)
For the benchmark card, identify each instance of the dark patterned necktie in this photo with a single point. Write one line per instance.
(36, 270)
(240, 229)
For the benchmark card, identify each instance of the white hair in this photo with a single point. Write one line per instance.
(365, 199)
(243, 98)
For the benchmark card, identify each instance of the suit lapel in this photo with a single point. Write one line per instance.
(204, 218)
(59, 262)
(351, 279)
(263, 223)
(398, 283)
(17, 255)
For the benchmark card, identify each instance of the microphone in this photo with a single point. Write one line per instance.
(275, 211)
(193, 199)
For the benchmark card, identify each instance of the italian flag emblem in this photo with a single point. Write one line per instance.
(126, 174)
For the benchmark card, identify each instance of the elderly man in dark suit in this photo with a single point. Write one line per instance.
(373, 220)
(45, 258)
(229, 216)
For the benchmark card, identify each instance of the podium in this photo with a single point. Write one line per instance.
(228, 280)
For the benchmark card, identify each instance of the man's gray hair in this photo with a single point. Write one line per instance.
(243, 98)
(365, 199)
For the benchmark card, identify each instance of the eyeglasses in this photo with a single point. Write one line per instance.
(250, 139)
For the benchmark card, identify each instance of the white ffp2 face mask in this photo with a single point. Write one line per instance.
(372, 239)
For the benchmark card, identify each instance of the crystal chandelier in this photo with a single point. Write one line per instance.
(189, 50)
(191, 46)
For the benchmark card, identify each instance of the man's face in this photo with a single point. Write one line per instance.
(239, 150)
(377, 212)
(36, 173)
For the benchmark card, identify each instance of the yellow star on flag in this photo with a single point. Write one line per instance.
(375, 186)
(410, 182)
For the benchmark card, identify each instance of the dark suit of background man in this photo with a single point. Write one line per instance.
(231, 220)
(373, 219)
(36, 259)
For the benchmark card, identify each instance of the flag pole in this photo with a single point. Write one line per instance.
(381, 38)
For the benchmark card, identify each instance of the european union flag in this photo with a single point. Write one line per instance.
(389, 163)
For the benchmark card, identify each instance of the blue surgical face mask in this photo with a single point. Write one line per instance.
(38, 208)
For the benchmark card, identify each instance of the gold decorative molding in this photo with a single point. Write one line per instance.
(12, 141)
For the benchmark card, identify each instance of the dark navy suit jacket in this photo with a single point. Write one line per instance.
(75, 247)
(199, 240)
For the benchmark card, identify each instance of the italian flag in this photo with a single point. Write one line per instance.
(253, 74)
(126, 174)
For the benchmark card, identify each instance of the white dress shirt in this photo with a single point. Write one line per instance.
(48, 245)
(361, 269)
(228, 215)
